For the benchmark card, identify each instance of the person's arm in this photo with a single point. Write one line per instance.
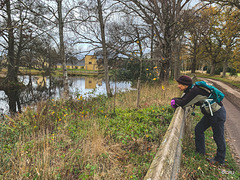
(193, 96)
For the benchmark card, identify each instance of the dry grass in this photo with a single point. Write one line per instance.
(150, 94)
(233, 78)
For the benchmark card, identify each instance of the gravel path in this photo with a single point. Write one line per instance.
(232, 126)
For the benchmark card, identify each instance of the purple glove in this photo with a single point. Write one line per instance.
(173, 104)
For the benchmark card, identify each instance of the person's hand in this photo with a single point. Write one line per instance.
(173, 103)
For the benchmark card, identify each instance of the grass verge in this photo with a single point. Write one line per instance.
(231, 80)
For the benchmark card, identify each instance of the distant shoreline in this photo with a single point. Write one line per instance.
(59, 73)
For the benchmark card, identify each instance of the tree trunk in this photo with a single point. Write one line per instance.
(225, 62)
(213, 67)
(167, 45)
(164, 74)
(12, 73)
(18, 57)
(62, 50)
(13, 100)
(225, 65)
(167, 54)
(102, 26)
(194, 60)
(139, 84)
(152, 41)
(177, 63)
(138, 92)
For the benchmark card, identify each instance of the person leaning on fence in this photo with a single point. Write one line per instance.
(195, 95)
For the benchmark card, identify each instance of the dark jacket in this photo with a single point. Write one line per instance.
(196, 96)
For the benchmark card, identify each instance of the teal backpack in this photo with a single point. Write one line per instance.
(216, 96)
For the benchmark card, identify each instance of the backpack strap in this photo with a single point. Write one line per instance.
(207, 101)
(206, 89)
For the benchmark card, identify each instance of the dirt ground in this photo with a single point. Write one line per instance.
(232, 126)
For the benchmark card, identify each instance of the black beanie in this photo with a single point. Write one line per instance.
(185, 80)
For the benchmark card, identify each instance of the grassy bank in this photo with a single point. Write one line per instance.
(230, 80)
(86, 139)
(57, 72)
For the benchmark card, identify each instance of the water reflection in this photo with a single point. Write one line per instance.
(39, 88)
(91, 82)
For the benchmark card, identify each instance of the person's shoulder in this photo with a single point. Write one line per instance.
(200, 90)
(194, 89)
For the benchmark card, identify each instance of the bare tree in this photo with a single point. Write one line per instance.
(131, 38)
(104, 47)
(164, 17)
(12, 74)
(18, 28)
(62, 51)
(55, 14)
(15, 34)
(91, 30)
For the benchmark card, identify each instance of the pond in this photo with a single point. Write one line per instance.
(39, 88)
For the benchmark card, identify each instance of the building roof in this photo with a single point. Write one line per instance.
(77, 63)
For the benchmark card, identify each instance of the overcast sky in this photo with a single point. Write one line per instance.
(194, 2)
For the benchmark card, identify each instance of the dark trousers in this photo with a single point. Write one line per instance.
(217, 123)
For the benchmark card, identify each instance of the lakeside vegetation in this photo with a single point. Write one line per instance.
(86, 139)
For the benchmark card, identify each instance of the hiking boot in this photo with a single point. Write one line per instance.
(215, 162)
